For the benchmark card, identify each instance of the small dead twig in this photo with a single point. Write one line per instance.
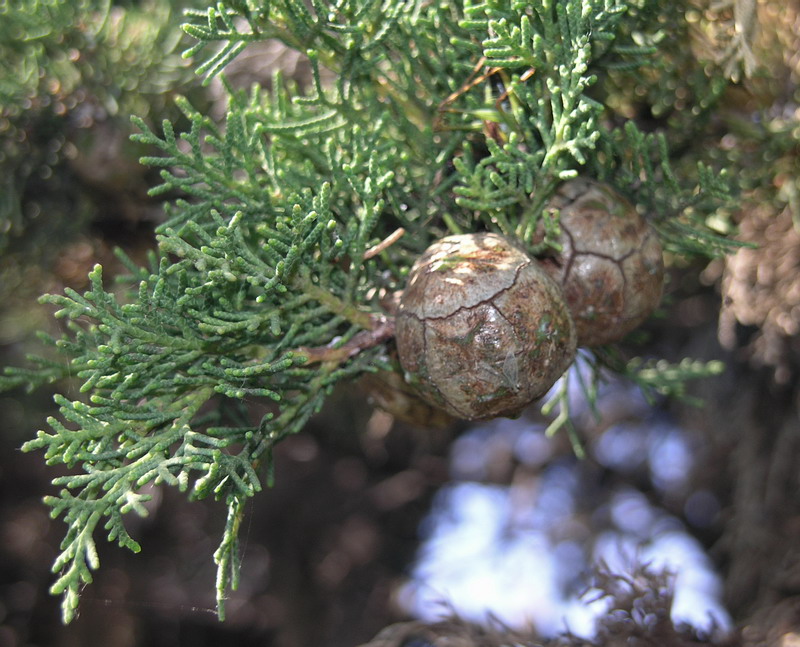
(387, 242)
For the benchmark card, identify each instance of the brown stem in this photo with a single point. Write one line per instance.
(380, 330)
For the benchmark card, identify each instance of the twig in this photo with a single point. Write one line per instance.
(387, 242)
(381, 331)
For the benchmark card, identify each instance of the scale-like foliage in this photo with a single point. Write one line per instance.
(443, 116)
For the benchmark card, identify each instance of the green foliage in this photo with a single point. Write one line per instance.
(687, 212)
(30, 35)
(550, 123)
(67, 65)
(52, 49)
(442, 117)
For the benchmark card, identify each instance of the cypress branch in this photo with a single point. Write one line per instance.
(443, 117)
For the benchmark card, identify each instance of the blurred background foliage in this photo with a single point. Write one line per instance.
(73, 73)
(71, 189)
